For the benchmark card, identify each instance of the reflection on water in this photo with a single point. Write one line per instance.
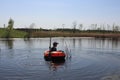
(71, 42)
(54, 66)
(91, 59)
(9, 43)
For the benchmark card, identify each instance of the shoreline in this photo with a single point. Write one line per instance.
(43, 34)
(80, 34)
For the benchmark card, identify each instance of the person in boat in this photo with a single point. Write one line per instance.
(54, 47)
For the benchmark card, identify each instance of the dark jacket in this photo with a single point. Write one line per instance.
(53, 49)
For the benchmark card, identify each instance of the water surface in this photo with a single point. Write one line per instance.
(91, 59)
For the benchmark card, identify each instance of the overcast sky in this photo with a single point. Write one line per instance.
(54, 13)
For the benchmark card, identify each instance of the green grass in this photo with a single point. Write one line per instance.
(18, 34)
(2, 32)
(13, 33)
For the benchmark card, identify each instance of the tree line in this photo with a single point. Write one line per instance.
(75, 28)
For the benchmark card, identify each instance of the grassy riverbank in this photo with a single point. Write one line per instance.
(15, 33)
(77, 34)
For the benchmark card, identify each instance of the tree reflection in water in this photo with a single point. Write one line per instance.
(9, 43)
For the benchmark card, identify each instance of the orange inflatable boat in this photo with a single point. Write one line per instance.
(56, 55)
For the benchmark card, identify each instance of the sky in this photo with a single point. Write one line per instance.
(53, 13)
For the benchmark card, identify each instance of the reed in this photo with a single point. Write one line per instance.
(77, 34)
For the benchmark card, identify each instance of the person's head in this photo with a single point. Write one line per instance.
(55, 44)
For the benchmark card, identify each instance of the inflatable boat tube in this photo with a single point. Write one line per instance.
(54, 55)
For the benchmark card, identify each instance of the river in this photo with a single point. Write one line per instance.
(88, 59)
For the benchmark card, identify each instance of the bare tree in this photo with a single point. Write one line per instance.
(30, 30)
(80, 26)
(74, 26)
(95, 26)
(32, 25)
(63, 26)
(113, 27)
(108, 27)
(116, 28)
(92, 26)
